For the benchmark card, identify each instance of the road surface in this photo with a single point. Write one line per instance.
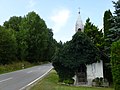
(19, 80)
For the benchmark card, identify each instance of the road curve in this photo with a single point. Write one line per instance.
(19, 80)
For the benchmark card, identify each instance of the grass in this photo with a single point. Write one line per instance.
(14, 66)
(51, 83)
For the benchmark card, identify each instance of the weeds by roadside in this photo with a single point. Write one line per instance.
(14, 66)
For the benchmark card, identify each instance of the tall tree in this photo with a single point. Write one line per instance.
(114, 38)
(15, 23)
(51, 46)
(7, 46)
(21, 38)
(94, 34)
(107, 22)
(39, 38)
(115, 30)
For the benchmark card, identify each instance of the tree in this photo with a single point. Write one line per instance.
(7, 46)
(21, 38)
(35, 41)
(115, 62)
(13, 23)
(94, 34)
(40, 42)
(113, 37)
(112, 33)
(115, 30)
(51, 46)
(79, 51)
(107, 22)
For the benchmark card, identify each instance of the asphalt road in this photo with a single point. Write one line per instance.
(19, 80)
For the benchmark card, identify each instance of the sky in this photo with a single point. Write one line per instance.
(59, 15)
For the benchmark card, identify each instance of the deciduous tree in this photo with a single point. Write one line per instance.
(7, 46)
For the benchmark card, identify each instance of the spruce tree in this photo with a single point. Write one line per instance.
(115, 30)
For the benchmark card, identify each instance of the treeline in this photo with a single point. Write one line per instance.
(26, 39)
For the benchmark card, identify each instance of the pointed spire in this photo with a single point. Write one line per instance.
(79, 25)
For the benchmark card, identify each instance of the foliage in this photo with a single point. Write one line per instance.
(39, 38)
(107, 21)
(34, 41)
(13, 23)
(68, 81)
(115, 30)
(80, 50)
(21, 37)
(113, 34)
(58, 64)
(7, 46)
(94, 34)
(99, 82)
(51, 47)
(115, 62)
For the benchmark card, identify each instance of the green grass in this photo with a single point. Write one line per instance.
(51, 83)
(14, 66)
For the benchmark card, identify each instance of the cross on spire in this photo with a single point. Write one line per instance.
(79, 10)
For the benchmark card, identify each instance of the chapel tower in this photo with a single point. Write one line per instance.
(79, 25)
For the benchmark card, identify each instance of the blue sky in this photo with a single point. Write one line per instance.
(60, 15)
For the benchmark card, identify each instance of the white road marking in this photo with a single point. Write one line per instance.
(36, 79)
(6, 79)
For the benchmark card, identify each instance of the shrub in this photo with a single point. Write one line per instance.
(68, 81)
(98, 82)
(115, 62)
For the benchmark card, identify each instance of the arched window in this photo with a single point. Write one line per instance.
(79, 29)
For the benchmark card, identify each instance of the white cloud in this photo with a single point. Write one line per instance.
(59, 19)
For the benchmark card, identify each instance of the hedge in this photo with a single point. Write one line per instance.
(115, 63)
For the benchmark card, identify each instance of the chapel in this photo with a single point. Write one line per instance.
(86, 73)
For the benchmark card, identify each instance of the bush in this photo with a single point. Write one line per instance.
(98, 82)
(115, 62)
(68, 81)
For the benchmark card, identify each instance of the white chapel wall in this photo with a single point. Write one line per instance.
(94, 70)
